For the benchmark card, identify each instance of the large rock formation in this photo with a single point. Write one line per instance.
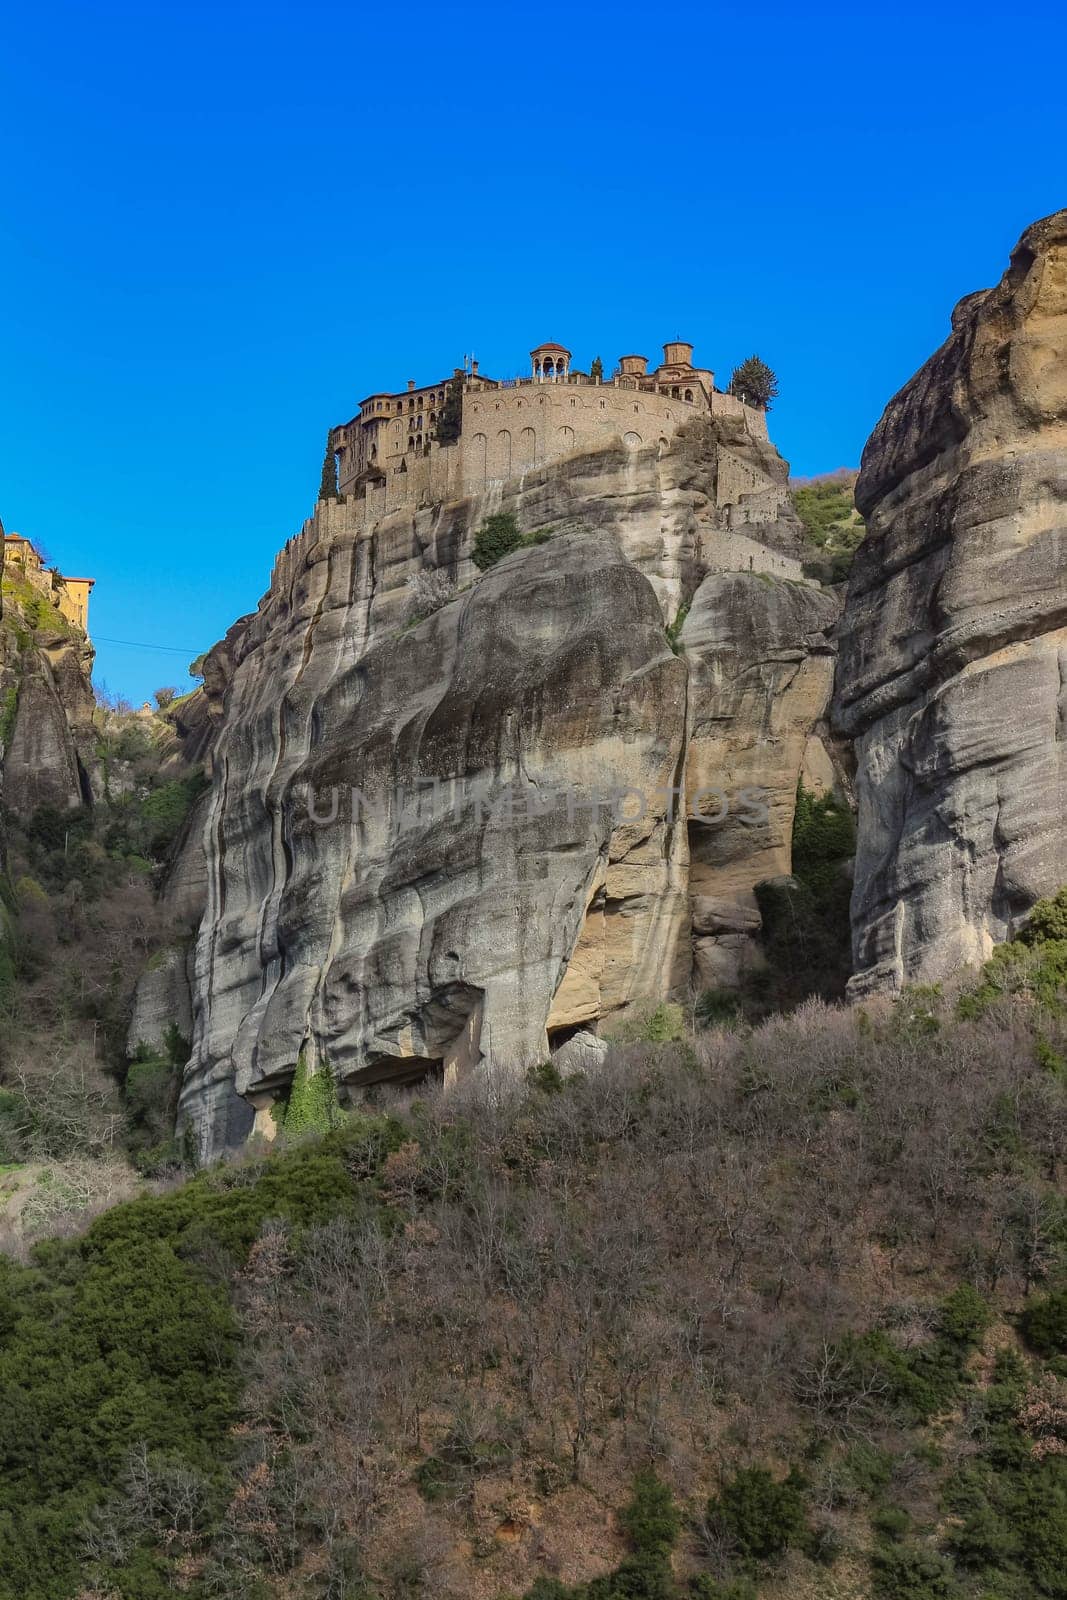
(953, 644)
(526, 906)
(46, 701)
(761, 669)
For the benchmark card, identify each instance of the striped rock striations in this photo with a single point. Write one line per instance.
(953, 652)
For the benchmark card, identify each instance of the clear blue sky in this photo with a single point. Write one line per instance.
(221, 225)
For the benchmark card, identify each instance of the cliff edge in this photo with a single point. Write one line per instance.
(952, 648)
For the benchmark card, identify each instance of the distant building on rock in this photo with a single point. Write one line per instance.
(390, 453)
(70, 596)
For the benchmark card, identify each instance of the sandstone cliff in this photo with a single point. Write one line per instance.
(524, 911)
(46, 701)
(952, 665)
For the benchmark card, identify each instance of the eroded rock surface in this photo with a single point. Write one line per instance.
(954, 639)
(47, 740)
(761, 670)
(465, 937)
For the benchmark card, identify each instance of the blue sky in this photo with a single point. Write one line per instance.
(221, 225)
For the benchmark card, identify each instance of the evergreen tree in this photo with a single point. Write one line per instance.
(328, 484)
(596, 371)
(755, 383)
(450, 417)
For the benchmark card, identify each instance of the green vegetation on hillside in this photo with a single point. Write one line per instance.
(794, 1297)
(805, 934)
(833, 525)
(79, 923)
(498, 536)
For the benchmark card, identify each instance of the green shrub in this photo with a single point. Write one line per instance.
(1047, 920)
(165, 809)
(758, 1514)
(118, 1339)
(674, 630)
(8, 712)
(891, 1522)
(964, 1316)
(312, 1105)
(832, 524)
(909, 1572)
(651, 1519)
(651, 1522)
(1037, 972)
(665, 1025)
(1044, 1323)
(868, 1468)
(928, 1378)
(719, 1008)
(707, 1588)
(547, 1078)
(495, 539)
(824, 836)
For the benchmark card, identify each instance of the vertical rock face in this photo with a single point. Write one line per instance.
(761, 669)
(953, 654)
(524, 904)
(46, 702)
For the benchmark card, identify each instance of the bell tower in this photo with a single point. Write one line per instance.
(550, 363)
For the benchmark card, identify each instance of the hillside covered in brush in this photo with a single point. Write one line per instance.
(775, 1311)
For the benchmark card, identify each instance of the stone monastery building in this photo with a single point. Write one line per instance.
(390, 453)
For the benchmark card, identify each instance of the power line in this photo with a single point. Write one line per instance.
(137, 644)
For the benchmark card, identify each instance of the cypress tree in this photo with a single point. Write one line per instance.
(328, 484)
(450, 417)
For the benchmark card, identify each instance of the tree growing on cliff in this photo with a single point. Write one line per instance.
(328, 482)
(450, 417)
(755, 383)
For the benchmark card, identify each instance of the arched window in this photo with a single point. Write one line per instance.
(400, 405)
(689, 395)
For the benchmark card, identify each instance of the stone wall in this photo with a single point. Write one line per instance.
(508, 430)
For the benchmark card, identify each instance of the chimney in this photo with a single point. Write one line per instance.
(411, 384)
(474, 366)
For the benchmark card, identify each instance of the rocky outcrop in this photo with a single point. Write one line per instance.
(538, 892)
(761, 669)
(46, 705)
(954, 639)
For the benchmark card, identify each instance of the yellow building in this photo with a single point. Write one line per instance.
(70, 596)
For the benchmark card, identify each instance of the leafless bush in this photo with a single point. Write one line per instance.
(72, 1192)
(673, 1244)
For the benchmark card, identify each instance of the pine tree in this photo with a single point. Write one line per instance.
(755, 383)
(328, 484)
(450, 417)
(596, 371)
